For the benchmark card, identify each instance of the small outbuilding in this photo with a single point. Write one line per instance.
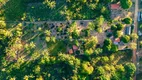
(75, 47)
(115, 6)
(128, 30)
(116, 41)
(70, 51)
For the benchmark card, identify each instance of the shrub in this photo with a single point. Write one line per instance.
(125, 38)
(126, 4)
(127, 20)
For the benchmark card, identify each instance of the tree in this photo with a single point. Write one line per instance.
(114, 48)
(130, 69)
(40, 78)
(107, 45)
(47, 39)
(120, 68)
(118, 34)
(50, 4)
(53, 39)
(101, 77)
(108, 1)
(125, 38)
(140, 43)
(132, 45)
(88, 51)
(37, 69)
(127, 20)
(73, 30)
(2, 25)
(134, 36)
(76, 42)
(107, 41)
(140, 26)
(99, 30)
(91, 26)
(119, 26)
(75, 34)
(99, 21)
(98, 51)
(91, 42)
(29, 47)
(106, 48)
(126, 4)
(86, 32)
(103, 10)
(47, 32)
(87, 68)
(104, 59)
(113, 27)
(48, 36)
(115, 77)
(100, 71)
(3, 2)
(92, 6)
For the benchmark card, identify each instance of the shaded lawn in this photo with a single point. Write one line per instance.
(139, 76)
(55, 48)
(13, 10)
(41, 12)
(126, 56)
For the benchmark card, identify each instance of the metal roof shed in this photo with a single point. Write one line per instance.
(128, 30)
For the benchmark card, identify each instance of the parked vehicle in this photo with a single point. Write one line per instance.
(139, 33)
(127, 30)
(132, 28)
(139, 15)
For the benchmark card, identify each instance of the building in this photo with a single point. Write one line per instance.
(128, 30)
(116, 11)
(75, 48)
(116, 41)
(115, 6)
(70, 51)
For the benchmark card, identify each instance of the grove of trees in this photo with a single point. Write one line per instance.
(33, 49)
(126, 4)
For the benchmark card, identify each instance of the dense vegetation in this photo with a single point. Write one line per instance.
(62, 50)
(53, 10)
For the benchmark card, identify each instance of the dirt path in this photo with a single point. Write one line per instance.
(135, 30)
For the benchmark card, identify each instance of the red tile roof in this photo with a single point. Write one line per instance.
(74, 47)
(109, 30)
(117, 40)
(70, 51)
(115, 6)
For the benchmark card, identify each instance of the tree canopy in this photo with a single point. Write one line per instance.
(125, 38)
(127, 20)
(126, 4)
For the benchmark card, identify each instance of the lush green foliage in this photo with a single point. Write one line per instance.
(33, 49)
(126, 4)
(125, 38)
(127, 20)
(113, 27)
(120, 26)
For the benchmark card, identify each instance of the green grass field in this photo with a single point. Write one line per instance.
(55, 48)
(41, 12)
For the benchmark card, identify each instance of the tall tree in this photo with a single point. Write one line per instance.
(87, 68)
(134, 36)
(91, 42)
(127, 20)
(126, 4)
(125, 38)
(50, 3)
(130, 69)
